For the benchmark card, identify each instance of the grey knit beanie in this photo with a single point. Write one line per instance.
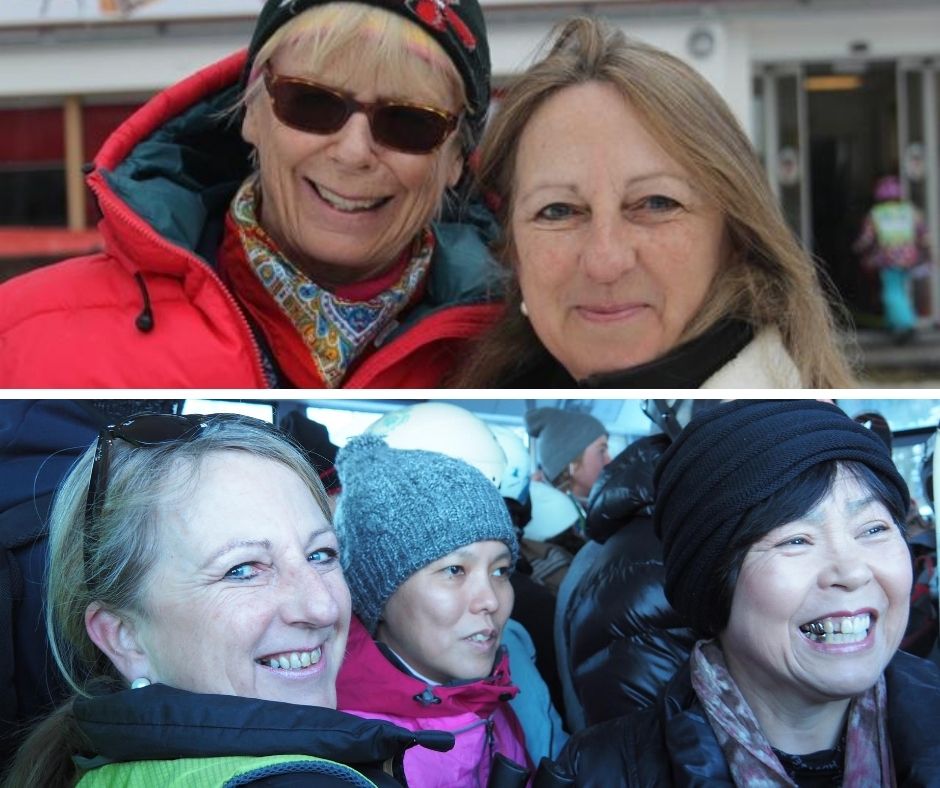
(562, 437)
(400, 510)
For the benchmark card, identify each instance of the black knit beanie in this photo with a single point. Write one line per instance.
(457, 25)
(733, 457)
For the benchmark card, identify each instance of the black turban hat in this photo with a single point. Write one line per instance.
(731, 458)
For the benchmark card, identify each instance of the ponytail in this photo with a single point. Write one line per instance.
(45, 757)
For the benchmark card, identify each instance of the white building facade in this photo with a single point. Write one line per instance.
(833, 93)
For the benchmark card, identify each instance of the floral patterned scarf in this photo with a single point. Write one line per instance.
(750, 757)
(336, 330)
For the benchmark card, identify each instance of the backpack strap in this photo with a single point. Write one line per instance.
(665, 415)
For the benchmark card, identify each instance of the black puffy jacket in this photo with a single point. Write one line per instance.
(621, 639)
(672, 744)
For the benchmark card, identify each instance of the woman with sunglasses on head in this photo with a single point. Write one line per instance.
(271, 221)
(197, 608)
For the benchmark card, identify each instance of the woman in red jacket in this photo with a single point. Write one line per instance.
(268, 221)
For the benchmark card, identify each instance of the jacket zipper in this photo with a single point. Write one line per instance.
(117, 207)
(489, 739)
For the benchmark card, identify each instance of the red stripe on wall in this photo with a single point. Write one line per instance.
(36, 136)
(31, 136)
(100, 120)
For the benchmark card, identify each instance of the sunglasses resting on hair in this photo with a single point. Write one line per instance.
(149, 429)
(308, 106)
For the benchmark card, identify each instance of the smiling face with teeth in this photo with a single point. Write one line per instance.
(819, 608)
(342, 207)
(247, 596)
(446, 620)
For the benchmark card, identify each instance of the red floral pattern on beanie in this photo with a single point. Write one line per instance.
(457, 25)
(438, 14)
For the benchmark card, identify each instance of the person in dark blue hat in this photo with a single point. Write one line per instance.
(782, 529)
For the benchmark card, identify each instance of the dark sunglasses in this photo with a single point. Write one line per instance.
(152, 429)
(311, 107)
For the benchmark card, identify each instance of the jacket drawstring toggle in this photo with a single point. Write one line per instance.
(427, 698)
(144, 321)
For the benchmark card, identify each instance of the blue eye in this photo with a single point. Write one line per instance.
(555, 211)
(241, 572)
(796, 541)
(323, 555)
(659, 202)
(453, 570)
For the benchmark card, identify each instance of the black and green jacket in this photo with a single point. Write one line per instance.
(168, 737)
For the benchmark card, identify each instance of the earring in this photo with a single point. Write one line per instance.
(524, 309)
(140, 683)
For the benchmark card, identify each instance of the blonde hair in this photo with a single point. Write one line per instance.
(370, 41)
(141, 480)
(769, 280)
(398, 49)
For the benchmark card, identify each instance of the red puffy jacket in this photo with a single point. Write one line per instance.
(151, 311)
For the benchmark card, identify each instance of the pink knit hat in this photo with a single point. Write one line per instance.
(888, 188)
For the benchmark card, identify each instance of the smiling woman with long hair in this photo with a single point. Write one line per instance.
(197, 608)
(642, 245)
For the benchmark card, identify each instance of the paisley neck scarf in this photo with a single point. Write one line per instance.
(751, 759)
(336, 330)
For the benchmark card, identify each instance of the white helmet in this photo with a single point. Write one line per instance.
(446, 429)
(552, 512)
(515, 481)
